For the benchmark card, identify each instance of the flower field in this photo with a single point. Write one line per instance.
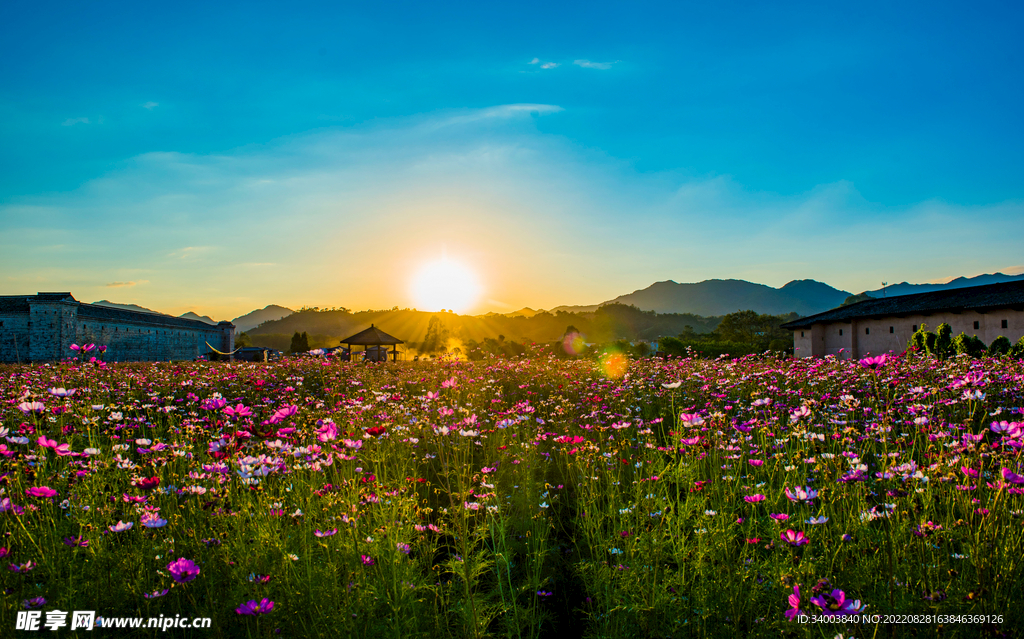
(521, 497)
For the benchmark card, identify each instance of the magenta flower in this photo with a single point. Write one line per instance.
(753, 499)
(326, 430)
(183, 570)
(874, 363)
(756, 462)
(1012, 477)
(120, 526)
(252, 608)
(37, 602)
(41, 491)
(238, 411)
(835, 603)
(794, 604)
(76, 542)
(779, 516)
(794, 538)
(155, 594)
(22, 568)
(325, 533)
(367, 560)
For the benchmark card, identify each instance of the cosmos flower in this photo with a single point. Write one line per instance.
(32, 604)
(183, 570)
(31, 407)
(252, 607)
(1011, 477)
(835, 603)
(120, 526)
(794, 604)
(794, 538)
(753, 499)
(44, 492)
(801, 495)
(325, 533)
(155, 594)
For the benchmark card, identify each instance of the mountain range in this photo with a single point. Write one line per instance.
(710, 298)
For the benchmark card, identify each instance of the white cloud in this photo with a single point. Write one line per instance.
(74, 121)
(587, 64)
(125, 284)
(535, 61)
(549, 65)
(150, 105)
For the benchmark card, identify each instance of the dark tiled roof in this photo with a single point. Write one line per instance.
(20, 304)
(94, 311)
(980, 298)
(14, 303)
(372, 335)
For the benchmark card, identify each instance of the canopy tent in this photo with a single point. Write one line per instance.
(377, 338)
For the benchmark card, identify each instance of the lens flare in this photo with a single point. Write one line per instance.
(614, 365)
(573, 343)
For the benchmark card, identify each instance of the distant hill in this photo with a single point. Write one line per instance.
(127, 307)
(202, 318)
(721, 297)
(269, 313)
(903, 288)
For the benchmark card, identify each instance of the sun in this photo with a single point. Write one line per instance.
(445, 284)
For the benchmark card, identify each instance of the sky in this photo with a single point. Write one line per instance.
(220, 157)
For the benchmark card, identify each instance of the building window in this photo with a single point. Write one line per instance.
(840, 331)
(892, 329)
(1004, 324)
(915, 328)
(801, 332)
(867, 331)
(977, 325)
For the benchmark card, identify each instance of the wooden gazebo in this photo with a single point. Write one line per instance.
(376, 338)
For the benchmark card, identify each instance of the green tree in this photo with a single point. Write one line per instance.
(1000, 347)
(437, 335)
(296, 346)
(242, 339)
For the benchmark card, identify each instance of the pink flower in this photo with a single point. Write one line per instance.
(800, 494)
(325, 533)
(326, 431)
(794, 604)
(367, 560)
(238, 411)
(779, 516)
(253, 608)
(1012, 477)
(41, 491)
(874, 363)
(756, 462)
(183, 570)
(31, 407)
(753, 499)
(794, 538)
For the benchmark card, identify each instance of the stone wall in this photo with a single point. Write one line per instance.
(864, 337)
(43, 327)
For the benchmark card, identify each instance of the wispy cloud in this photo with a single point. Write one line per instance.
(587, 64)
(543, 65)
(125, 284)
(74, 121)
(150, 105)
(189, 252)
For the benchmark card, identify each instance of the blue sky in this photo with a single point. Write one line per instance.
(221, 158)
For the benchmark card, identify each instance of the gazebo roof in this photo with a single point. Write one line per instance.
(372, 336)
